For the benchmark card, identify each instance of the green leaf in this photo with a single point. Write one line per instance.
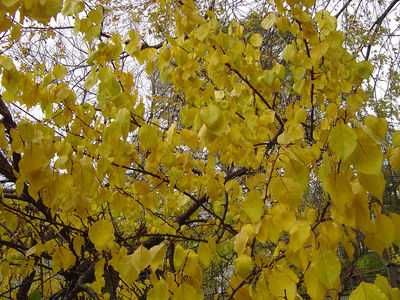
(16, 31)
(35, 295)
(268, 77)
(96, 16)
(364, 69)
(59, 71)
(396, 138)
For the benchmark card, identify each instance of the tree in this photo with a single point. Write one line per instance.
(201, 186)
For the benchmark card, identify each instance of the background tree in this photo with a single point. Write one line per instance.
(241, 169)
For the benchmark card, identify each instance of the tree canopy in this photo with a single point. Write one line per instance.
(195, 149)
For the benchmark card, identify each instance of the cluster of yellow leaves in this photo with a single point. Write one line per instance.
(232, 110)
(39, 10)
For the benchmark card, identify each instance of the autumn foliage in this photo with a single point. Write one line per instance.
(108, 199)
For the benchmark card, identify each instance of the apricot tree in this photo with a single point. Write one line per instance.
(200, 191)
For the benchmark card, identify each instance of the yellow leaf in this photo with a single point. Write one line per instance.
(141, 258)
(396, 138)
(293, 131)
(377, 125)
(354, 102)
(60, 162)
(16, 32)
(90, 80)
(373, 183)
(16, 145)
(127, 268)
(319, 50)
(202, 31)
(204, 253)
(63, 258)
(59, 71)
(367, 157)
(282, 282)
(123, 118)
(134, 44)
(3, 141)
(190, 138)
(383, 284)
(394, 157)
(308, 3)
(211, 244)
(7, 63)
(243, 265)
(148, 136)
(256, 40)
(367, 291)
(315, 288)
(348, 246)
(343, 140)
(282, 23)
(37, 249)
(363, 69)
(79, 241)
(192, 269)
(299, 234)
(269, 21)
(157, 254)
(385, 229)
(29, 132)
(179, 257)
(331, 110)
(382, 235)
(159, 291)
(396, 221)
(147, 54)
(326, 266)
(213, 118)
(331, 235)
(286, 190)
(96, 16)
(253, 205)
(186, 291)
(341, 194)
(101, 234)
(268, 77)
(239, 245)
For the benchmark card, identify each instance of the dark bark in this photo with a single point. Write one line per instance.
(25, 286)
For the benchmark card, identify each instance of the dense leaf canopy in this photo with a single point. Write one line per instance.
(182, 150)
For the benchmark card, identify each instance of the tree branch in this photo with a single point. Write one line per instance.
(25, 286)
(343, 8)
(377, 23)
